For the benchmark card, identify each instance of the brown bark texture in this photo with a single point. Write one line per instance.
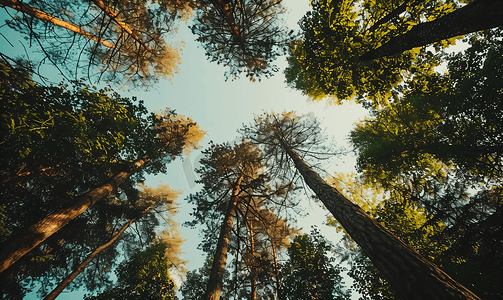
(476, 16)
(65, 282)
(253, 291)
(214, 287)
(16, 247)
(29, 10)
(276, 269)
(411, 276)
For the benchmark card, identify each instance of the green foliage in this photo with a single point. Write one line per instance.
(440, 121)
(310, 272)
(60, 142)
(325, 61)
(144, 276)
(443, 222)
(246, 36)
(194, 286)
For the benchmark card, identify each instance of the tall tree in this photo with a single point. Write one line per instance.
(446, 224)
(108, 132)
(476, 16)
(117, 41)
(150, 199)
(411, 275)
(325, 61)
(224, 173)
(441, 120)
(245, 36)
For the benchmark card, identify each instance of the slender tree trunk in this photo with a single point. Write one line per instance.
(276, 270)
(63, 284)
(41, 15)
(214, 287)
(476, 16)
(412, 276)
(253, 290)
(110, 12)
(16, 247)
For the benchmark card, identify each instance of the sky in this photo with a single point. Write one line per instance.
(220, 108)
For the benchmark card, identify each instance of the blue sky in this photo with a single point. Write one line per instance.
(221, 107)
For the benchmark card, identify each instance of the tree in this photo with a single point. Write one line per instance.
(243, 35)
(445, 224)
(234, 185)
(118, 41)
(309, 272)
(326, 62)
(441, 121)
(94, 152)
(411, 275)
(151, 199)
(145, 276)
(476, 16)
(224, 170)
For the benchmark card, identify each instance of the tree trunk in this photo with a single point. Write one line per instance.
(63, 284)
(253, 289)
(214, 287)
(16, 247)
(276, 269)
(476, 16)
(412, 276)
(41, 15)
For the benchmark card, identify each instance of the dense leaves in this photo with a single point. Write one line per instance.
(144, 276)
(311, 272)
(325, 61)
(59, 143)
(245, 36)
(442, 120)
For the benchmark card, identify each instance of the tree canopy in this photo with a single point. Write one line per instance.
(116, 41)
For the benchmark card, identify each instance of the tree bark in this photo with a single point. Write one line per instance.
(16, 247)
(214, 287)
(63, 284)
(412, 276)
(41, 15)
(253, 288)
(476, 16)
(276, 269)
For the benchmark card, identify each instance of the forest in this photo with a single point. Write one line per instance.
(251, 149)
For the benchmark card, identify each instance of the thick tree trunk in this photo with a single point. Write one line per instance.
(63, 284)
(110, 12)
(412, 276)
(41, 15)
(214, 287)
(476, 16)
(16, 247)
